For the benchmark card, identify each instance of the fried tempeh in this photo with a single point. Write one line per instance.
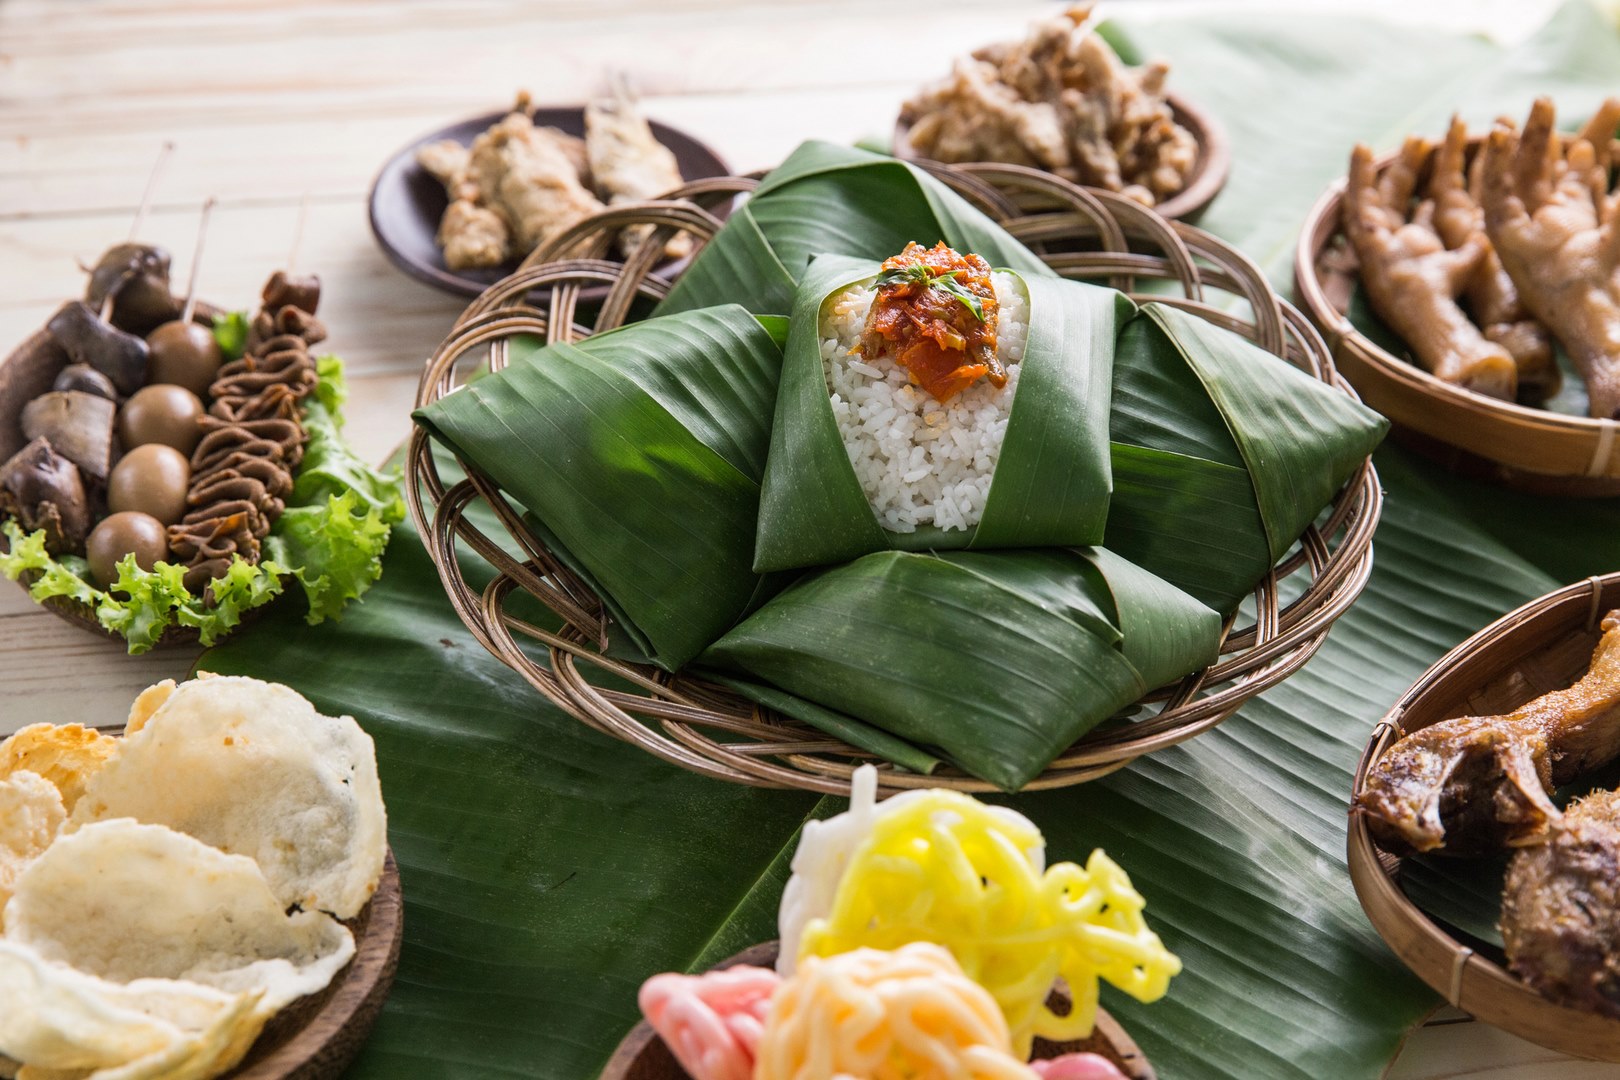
(1476, 783)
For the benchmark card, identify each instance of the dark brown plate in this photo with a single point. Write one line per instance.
(1208, 174)
(407, 202)
(643, 1056)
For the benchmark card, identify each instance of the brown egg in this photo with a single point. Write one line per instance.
(120, 534)
(161, 413)
(151, 479)
(183, 353)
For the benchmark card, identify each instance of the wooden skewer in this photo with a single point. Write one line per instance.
(140, 216)
(196, 261)
(298, 233)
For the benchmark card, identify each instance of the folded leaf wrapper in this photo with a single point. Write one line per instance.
(638, 454)
(1000, 660)
(1223, 454)
(1050, 487)
(840, 200)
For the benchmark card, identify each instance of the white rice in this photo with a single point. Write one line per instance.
(920, 462)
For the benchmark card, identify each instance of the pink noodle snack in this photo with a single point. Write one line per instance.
(1077, 1067)
(712, 1022)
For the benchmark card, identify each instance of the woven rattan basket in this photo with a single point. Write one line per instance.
(1532, 449)
(1081, 234)
(1545, 645)
(642, 1055)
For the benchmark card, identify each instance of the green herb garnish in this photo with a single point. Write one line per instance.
(918, 274)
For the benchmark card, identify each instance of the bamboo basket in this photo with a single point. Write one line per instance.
(1545, 645)
(1530, 449)
(1209, 171)
(1086, 234)
(25, 374)
(642, 1055)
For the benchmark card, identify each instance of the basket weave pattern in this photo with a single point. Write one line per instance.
(1082, 234)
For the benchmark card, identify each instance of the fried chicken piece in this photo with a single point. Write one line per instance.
(1551, 218)
(1413, 280)
(527, 176)
(473, 237)
(1059, 100)
(1490, 295)
(446, 161)
(1476, 783)
(1561, 908)
(627, 164)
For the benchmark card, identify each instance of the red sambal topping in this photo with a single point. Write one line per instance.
(935, 316)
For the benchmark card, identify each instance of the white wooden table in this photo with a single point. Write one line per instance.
(270, 104)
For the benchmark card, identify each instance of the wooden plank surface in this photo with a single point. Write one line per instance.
(274, 104)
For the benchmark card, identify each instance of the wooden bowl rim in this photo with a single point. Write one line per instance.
(640, 1037)
(1467, 980)
(1210, 170)
(1320, 228)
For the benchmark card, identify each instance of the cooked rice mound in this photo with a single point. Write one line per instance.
(919, 462)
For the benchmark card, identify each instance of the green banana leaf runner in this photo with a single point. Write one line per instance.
(548, 869)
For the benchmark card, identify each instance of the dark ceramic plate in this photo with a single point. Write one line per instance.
(407, 202)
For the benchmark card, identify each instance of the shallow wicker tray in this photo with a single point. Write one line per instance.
(1084, 234)
(1531, 449)
(1209, 171)
(643, 1056)
(28, 372)
(1545, 645)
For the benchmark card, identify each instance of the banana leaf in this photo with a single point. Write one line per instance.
(1222, 453)
(639, 453)
(827, 199)
(1050, 487)
(999, 660)
(548, 869)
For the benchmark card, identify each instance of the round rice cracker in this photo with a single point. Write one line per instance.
(124, 901)
(31, 813)
(251, 768)
(64, 1022)
(67, 755)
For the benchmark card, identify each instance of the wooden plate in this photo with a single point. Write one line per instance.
(407, 201)
(1545, 645)
(643, 1056)
(1534, 450)
(1209, 171)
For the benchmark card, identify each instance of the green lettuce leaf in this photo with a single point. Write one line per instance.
(231, 333)
(334, 549)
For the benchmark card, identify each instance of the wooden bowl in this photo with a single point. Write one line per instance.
(1545, 645)
(642, 1055)
(406, 201)
(1530, 449)
(1083, 234)
(24, 375)
(1209, 172)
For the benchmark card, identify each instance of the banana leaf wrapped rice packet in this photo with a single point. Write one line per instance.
(829, 199)
(930, 403)
(638, 454)
(996, 661)
(1222, 454)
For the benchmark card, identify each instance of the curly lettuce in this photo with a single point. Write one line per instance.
(330, 539)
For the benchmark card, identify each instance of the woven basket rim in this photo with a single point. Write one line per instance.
(1471, 982)
(1320, 229)
(674, 716)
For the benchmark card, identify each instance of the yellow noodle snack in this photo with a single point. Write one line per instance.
(909, 1014)
(946, 868)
